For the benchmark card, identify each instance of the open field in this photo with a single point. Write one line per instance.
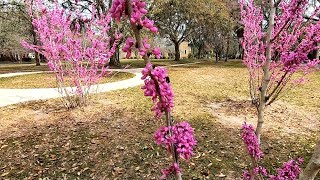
(48, 80)
(125, 63)
(111, 138)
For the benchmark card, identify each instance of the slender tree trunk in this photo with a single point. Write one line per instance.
(199, 51)
(227, 50)
(217, 57)
(177, 51)
(35, 42)
(313, 167)
(266, 72)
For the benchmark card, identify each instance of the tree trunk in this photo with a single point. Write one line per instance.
(217, 57)
(260, 120)
(115, 59)
(266, 72)
(227, 51)
(199, 51)
(313, 167)
(177, 51)
(37, 58)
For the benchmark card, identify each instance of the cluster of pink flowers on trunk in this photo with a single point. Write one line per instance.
(158, 78)
(290, 169)
(182, 137)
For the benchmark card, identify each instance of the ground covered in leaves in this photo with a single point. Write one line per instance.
(111, 138)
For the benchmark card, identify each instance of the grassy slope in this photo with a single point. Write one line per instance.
(112, 137)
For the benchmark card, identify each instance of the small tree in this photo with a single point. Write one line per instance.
(277, 59)
(77, 48)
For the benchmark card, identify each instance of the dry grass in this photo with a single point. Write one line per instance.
(130, 63)
(112, 137)
(48, 80)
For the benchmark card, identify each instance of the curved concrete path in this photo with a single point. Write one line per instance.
(14, 96)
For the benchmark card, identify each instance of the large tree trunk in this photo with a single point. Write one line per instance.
(266, 72)
(115, 59)
(177, 51)
(313, 167)
(37, 58)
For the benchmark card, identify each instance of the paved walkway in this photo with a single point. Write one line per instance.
(14, 96)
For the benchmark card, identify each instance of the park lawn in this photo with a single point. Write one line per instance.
(48, 80)
(111, 138)
(125, 63)
(139, 63)
(13, 68)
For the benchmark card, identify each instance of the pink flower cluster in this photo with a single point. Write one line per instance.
(250, 139)
(182, 137)
(163, 96)
(128, 47)
(289, 170)
(138, 11)
(170, 170)
(117, 11)
(246, 175)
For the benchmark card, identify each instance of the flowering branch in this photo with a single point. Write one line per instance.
(177, 139)
(289, 170)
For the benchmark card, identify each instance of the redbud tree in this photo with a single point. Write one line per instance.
(276, 49)
(76, 46)
(177, 139)
(277, 59)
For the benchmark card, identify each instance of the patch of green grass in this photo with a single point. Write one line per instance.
(47, 80)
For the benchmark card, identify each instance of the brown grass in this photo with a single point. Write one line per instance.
(48, 80)
(111, 138)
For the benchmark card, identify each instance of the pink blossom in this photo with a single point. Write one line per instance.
(117, 9)
(164, 98)
(182, 137)
(173, 169)
(250, 139)
(128, 46)
(289, 170)
(150, 25)
(157, 52)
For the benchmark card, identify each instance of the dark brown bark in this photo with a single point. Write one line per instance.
(177, 51)
(37, 58)
(199, 51)
(115, 59)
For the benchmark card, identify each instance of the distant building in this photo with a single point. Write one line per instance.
(185, 50)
